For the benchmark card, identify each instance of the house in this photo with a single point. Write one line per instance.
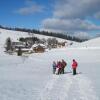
(18, 44)
(38, 48)
(21, 45)
(62, 44)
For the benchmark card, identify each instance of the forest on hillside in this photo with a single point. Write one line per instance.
(54, 34)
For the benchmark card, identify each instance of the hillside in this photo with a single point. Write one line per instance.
(92, 43)
(15, 35)
(67, 36)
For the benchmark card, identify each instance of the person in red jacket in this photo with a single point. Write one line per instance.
(74, 66)
(59, 67)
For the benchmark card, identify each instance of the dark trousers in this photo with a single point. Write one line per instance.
(59, 71)
(62, 71)
(74, 71)
(54, 69)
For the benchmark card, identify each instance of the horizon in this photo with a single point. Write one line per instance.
(79, 17)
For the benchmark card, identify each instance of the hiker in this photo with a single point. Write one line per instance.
(54, 67)
(63, 66)
(59, 67)
(74, 66)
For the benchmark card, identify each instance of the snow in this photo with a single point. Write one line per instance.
(91, 43)
(30, 77)
(4, 34)
(14, 35)
(35, 45)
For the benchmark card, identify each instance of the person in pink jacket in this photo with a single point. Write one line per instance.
(74, 66)
(58, 68)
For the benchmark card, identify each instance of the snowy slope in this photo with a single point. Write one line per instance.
(14, 35)
(91, 43)
(4, 34)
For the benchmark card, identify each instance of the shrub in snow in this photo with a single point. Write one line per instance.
(19, 52)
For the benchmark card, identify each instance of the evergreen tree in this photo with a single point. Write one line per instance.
(8, 44)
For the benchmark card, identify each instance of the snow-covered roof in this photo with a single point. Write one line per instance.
(42, 45)
(36, 45)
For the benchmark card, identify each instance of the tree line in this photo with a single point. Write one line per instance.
(53, 34)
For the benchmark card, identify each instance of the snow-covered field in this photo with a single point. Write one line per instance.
(30, 77)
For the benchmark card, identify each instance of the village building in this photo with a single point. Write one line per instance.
(21, 45)
(62, 44)
(18, 44)
(38, 48)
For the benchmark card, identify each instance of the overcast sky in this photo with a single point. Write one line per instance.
(76, 16)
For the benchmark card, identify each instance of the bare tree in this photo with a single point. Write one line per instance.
(52, 42)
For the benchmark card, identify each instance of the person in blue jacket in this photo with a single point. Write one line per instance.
(54, 67)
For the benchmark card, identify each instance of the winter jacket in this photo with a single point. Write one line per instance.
(54, 65)
(74, 65)
(64, 64)
(59, 65)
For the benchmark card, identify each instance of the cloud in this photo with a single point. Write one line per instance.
(30, 8)
(97, 15)
(68, 25)
(71, 16)
(76, 8)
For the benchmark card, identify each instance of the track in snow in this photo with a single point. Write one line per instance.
(68, 87)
